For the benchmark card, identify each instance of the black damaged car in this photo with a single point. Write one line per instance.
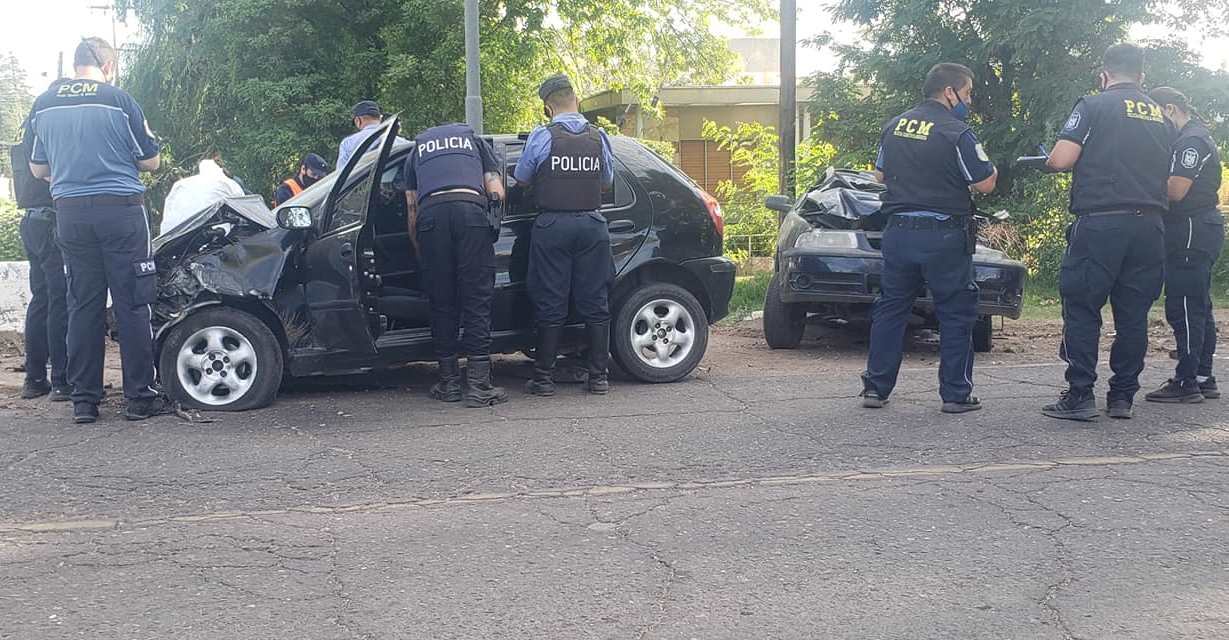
(328, 283)
(828, 264)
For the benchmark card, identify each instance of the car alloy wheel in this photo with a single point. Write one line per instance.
(217, 366)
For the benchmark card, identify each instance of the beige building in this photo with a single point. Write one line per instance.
(754, 98)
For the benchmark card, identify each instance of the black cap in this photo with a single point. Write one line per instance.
(366, 108)
(557, 82)
(316, 165)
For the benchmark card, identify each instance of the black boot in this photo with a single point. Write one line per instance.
(599, 358)
(543, 384)
(448, 389)
(479, 391)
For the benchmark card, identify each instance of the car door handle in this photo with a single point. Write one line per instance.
(620, 226)
(346, 250)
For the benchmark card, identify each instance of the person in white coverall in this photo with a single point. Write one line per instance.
(194, 193)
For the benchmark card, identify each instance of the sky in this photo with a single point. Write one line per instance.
(37, 30)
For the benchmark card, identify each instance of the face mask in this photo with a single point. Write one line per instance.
(960, 109)
(308, 180)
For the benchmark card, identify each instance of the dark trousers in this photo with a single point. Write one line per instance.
(570, 256)
(458, 263)
(108, 248)
(47, 314)
(914, 259)
(1120, 258)
(1192, 246)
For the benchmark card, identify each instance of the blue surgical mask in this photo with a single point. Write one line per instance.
(960, 109)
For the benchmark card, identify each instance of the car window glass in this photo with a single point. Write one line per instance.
(350, 206)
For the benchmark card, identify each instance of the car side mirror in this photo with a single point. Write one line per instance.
(782, 204)
(294, 218)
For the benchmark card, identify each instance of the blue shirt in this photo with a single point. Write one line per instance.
(537, 149)
(350, 144)
(91, 135)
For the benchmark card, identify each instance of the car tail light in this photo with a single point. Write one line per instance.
(714, 211)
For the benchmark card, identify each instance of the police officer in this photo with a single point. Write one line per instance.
(311, 170)
(91, 139)
(568, 163)
(366, 116)
(1194, 237)
(451, 178)
(46, 315)
(1118, 144)
(929, 159)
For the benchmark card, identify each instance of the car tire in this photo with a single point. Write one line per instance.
(660, 333)
(983, 334)
(783, 323)
(243, 354)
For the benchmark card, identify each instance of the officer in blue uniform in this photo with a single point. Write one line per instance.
(1118, 145)
(568, 163)
(90, 138)
(366, 116)
(452, 177)
(47, 313)
(929, 159)
(1194, 237)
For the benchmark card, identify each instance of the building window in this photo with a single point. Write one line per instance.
(706, 163)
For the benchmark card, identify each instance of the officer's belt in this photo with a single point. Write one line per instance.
(1119, 212)
(85, 202)
(927, 222)
(454, 195)
(44, 214)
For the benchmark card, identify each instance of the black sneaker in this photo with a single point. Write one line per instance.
(35, 389)
(85, 412)
(1208, 388)
(61, 393)
(142, 408)
(1174, 392)
(872, 400)
(970, 403)
(1072, 406)
(1119, 408)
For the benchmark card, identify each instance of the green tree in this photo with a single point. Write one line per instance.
(265, 81)
(15, 103)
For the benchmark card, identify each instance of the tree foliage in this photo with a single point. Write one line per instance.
(15, 100)
(265, 81)
(1033, 59)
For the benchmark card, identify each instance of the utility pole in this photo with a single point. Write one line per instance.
(59, 66)
(789, 96)
(473, 78)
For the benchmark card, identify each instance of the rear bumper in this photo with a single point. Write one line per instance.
(716, 276)
(854, 277)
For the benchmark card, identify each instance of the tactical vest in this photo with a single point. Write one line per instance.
(1205, 192)
(1124, 164)
(570, 178)
(920, 162)
(31, 192)
(446, 157)
(294, 186)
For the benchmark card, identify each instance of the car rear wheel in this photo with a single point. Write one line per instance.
(660, 333)
(783, 322)
(221, 359)
(983, 334)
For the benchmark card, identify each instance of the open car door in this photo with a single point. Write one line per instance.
(342, 325)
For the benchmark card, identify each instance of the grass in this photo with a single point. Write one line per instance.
(748, 294)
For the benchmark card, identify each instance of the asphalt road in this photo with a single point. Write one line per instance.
(752, 501)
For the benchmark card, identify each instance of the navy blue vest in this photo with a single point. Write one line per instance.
(446, 157)
(31, 192)
(1205, 192)
(1124, 164)
(920, 164)
(571, 176)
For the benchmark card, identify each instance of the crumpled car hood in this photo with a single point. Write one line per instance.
(232, 248)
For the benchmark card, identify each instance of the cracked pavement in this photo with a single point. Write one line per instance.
(754, 500)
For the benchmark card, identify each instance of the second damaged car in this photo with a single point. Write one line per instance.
(329, 284)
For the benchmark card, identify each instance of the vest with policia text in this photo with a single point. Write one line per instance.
(446, 157)
(920, 162)
(1124, 162)
(1195, 151)
(570, 178)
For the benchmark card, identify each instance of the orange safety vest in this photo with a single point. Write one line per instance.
(295, 189)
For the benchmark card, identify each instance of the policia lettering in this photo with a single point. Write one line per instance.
(929, 158)
(568, 162)
(451, 177)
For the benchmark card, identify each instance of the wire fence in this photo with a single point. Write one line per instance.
(756, 245)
